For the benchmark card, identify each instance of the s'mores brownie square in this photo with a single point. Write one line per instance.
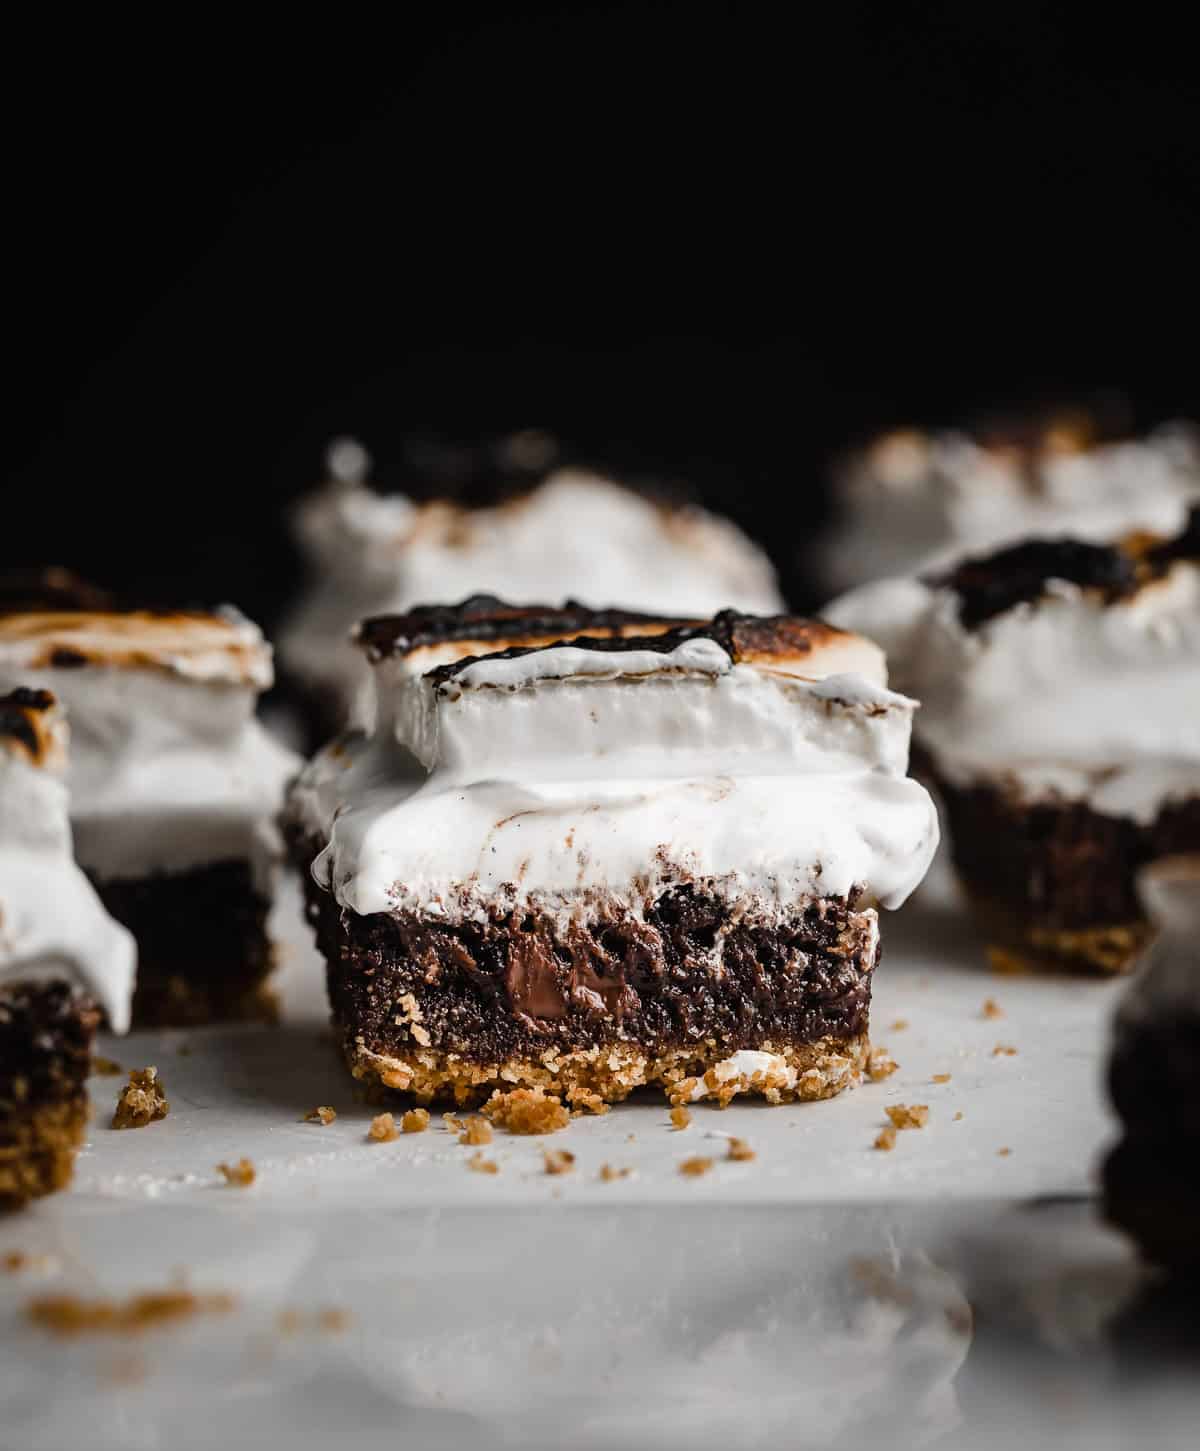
(604, 852)
(1152, 1176)
(508, 517)
(63, 960)
(1060, 690)
(174, 791)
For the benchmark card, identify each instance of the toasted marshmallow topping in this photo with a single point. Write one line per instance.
(52, 924)
(562, 775)
(1077, 694)
(169, 769)
(574, 535)
(914, 500)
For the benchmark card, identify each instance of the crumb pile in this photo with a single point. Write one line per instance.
(141, 1101)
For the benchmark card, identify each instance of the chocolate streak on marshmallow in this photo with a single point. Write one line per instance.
(23, 719)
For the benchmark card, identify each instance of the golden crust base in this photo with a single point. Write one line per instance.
(1012, 948)
(37, 1150)
(589, 1077)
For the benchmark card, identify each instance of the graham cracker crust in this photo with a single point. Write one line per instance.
(1107, 950)
(37, 1149)
(610, 1073)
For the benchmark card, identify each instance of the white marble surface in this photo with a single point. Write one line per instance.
(823, 1294)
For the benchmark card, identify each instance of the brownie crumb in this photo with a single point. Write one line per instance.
(886, 1138)
(940, 1078)
(68, 1316)
(240, 1175)
(608, 1173)
(415, 1121)
(992, 1009)
(383, 1129)
(740, 1150)
(105, 1067)
(1004, 1050)
(476, 1131)
(680, 1117)
(908, 1115)
(558, 1161)
(482, 1165)
(695, 1167)
(141, 1101)
(322, 1116)
(527, 1111)
(880, 1065)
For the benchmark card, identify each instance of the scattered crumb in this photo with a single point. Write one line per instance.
(880, 1064)
(383, 1128)
(106, 1067)
(476, 1131)
(482, 1165)
(415, 1121)
(631, 1138)
(583, 1100)
(453, 1122)
(740, 1150)
(693, 1168)
(940, 1078)
(908, 1115)
(1003, 1153)
(680, 1117)
(958, 1115)
(141, 1101)
(13, 1261)
(66, 1315)
(527, 1111)
(240, 1175)
(289, 1322)
(332, 1320)
(1004, 1050)
(886, 1138)
(558, 1161)
(899, 1025)
(608, 1173)
(321, 1116)
(992, 1009)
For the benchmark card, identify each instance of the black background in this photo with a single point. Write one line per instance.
(711, 238)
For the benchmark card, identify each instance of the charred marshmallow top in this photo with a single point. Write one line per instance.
(574, 534)
(52, 924)
(606, 769)
(1084, 688)
(169, 769)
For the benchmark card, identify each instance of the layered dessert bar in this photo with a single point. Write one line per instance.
(508, 519)
(1060, 685)
(582, 853)
(174, 791)
(1152, 1177)
(913, 500)
(63, 961)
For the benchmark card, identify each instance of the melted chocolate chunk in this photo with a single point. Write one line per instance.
(989, 585)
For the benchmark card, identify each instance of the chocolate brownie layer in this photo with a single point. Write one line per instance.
(203, 950)
(1058, 879)
(688, 982)
(46, 1033)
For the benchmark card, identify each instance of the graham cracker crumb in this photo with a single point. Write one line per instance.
(1004, 1050)
(141, 1101)
(1003, 1153)
(680, 1116)
(476, 1131)
(482, 1165)
(415, 1121)
(558, 1161)
(289, 1322)
(322, 1116)
(106, 1067)
(410, 1014)
(583, 1100)
(14, 1261)
(453, 1122)
(740, 1150)
(940, 1078)
(383, 1128)
(527, 1111)
(608, 1173)
(332, 1320)
(886, 1138)
(958, 1115)
(67, 1315)
(240, 1175)
(694, 1167)
(880, 1065)
(899, 1025)
(992, 1009)
(908, 1115)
